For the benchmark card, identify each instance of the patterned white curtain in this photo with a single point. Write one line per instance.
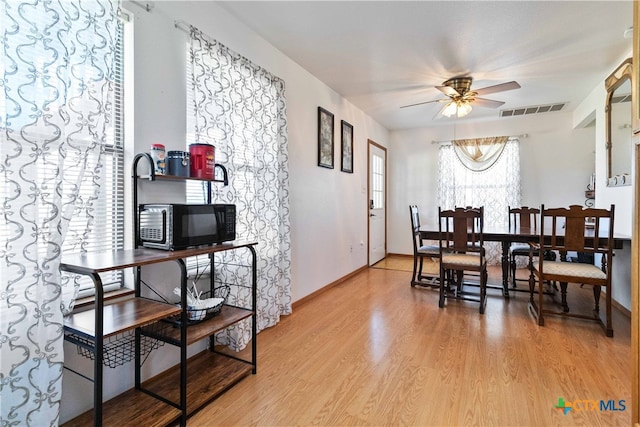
(240, 109)
(55, 105)
(495, 186)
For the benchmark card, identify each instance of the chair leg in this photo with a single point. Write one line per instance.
(420, 269)
(540, 303)
(596, 298)
(609, 330)
(459, 274)
(512, 263)
(483, 290)
(532, 284)
(442, 287)
(563, 291)
(415, 268)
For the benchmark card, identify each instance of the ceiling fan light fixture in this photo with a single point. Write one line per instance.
(458, 108)
(450, 110)
(464, 108)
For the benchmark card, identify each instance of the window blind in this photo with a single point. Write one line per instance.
(108, 231)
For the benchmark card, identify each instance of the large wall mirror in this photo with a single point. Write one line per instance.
(618, 122)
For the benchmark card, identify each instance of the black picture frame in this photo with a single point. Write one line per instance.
(347, 147)
(325, 138)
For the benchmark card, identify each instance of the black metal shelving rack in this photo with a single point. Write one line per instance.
(146, 318)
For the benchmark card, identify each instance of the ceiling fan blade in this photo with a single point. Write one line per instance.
(425, 102)
(489, 103)
(448, 90)
(497, 88)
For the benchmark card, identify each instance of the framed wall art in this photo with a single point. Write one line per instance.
(325, 138)
(347, 147)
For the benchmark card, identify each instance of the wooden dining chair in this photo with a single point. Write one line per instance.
(420, 252)
(461, 249)
(597, 239)
(523, 217)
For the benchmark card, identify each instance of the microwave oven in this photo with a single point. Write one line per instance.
(179, 226)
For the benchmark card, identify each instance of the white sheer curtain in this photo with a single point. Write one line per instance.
(240, 108)
(494, 184)
(56, 71)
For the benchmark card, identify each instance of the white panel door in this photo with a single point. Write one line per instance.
(377, 203)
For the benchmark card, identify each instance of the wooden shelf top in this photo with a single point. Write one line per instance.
(99, 262)
(120, 316)
(208, 376)
(132, 408)
(177, 178)
(227, 316)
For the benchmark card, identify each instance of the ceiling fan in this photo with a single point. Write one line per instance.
(461, 97)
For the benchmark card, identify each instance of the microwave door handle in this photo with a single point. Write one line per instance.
(165, 232)
(219, 221)
(139, 225)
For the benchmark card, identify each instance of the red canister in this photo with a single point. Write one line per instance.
(202, 161)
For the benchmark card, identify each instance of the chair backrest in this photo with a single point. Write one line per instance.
(415, 227)
(461, 229)
(415, 217)
(523, 217)
(565, 229)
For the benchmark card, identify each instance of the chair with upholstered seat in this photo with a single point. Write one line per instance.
(461, 250)
(565, 230)
(420, 252)
(521, 218)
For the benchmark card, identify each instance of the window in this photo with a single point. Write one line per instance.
(377, 182)
(495, 186)
(108, 233)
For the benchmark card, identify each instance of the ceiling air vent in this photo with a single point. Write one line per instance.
(522, 111)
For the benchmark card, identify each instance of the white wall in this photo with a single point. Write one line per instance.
(621, 197)
(556, 163)
(328, 207)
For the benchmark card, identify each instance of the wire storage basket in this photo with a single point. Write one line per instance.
(197, 315)
(117, 349)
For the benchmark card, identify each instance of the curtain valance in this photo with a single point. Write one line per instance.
(478, 154)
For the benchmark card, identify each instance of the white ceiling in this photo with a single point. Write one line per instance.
(381, 55)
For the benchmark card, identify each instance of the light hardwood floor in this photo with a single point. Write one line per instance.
(374, 351)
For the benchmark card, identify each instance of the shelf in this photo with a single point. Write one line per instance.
(177, 178)
(208, 376)
(133, 407)
(151, 176)
(227, 317)
(120, 317)
(100, 262)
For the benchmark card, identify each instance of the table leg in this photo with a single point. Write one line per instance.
(505, 268)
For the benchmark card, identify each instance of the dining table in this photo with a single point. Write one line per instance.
(506, 235)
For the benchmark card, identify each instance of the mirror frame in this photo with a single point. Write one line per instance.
(614, 81)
